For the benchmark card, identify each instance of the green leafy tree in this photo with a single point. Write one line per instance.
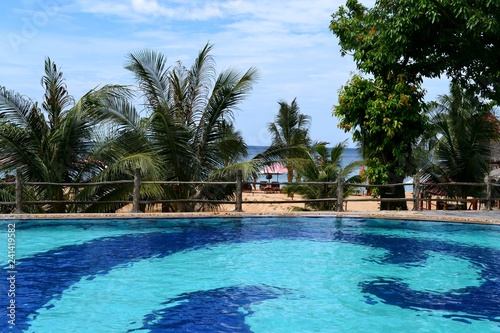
(408, 40)
(384, 119)
(426, 38)
(386, 113)
(326, 166)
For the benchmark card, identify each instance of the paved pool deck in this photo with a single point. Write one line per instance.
(464, 216)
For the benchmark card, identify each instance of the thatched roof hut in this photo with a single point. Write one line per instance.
(495, 155)
(495, 160)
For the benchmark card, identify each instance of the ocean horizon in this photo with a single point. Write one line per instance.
(350, 154)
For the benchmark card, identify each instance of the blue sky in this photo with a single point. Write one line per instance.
(288, 41)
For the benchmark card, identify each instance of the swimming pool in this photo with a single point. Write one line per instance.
(290, 274)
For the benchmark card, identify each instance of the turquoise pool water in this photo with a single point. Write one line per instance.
(250, 275)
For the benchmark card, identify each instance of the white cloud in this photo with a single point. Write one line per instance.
(288, 41)
(296, 14)
(100, 7)
(147, 6)
(144, 10)
(188, 10)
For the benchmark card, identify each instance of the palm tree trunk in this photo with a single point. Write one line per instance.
(58, 195)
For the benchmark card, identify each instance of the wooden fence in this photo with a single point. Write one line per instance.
(419, 196)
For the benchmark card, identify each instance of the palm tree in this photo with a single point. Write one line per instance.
(464, 129)
(290, 141)
(52, 142)
(121, 146)
(326, 167)
(190, 124)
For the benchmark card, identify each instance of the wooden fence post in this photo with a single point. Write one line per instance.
(340, 194)
(19, 192)
(488, 193)
(136, 195)
(239, 192)
(416, 192)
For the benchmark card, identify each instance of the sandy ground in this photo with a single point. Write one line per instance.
(355, 203)
(287, 204)
(357, 206)
(261, 203)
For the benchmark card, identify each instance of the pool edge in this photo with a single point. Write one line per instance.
(482, 217)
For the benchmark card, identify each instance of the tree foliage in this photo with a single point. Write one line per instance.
(290, 140)
(398, 43)
(427, 38)
(187, 134)
(385, 117)
(461, 131)
(190, 120)
(51, 142)
(325, 165)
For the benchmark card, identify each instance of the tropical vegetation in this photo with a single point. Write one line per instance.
(325, 166)
(185, 135)
(189, 125)
(51, 142)
(378, 113)
(396, 45)
(456, 38)
(290, 140)
(457, 145)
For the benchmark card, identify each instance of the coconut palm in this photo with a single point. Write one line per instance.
(50, 142)
(326, 166)
(464, 129)
(191, 121)
(122, 146)
(290, 141)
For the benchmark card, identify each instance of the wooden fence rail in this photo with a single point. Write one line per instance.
(418, 194)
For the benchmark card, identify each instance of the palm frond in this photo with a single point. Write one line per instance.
(199, 83)
(14, 108)
(226, 95)
(151, 73)
(170, 141)
(18, 151)
(250, 170)
(463, 130)
(56, 97)
(119, 113)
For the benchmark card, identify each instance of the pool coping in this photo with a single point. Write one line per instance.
(482, 217)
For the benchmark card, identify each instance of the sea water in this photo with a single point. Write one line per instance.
(350, 155)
